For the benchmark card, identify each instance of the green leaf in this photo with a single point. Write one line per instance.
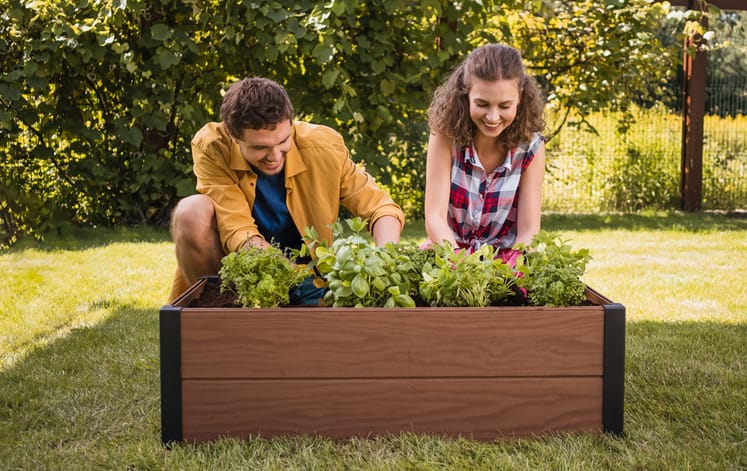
(388, 87)
(277, 15)
(9, 91)
(378, 67)
(161, 32)
(338, 7)
(323, 53)
(404, 300)
(321, 252)
(185, 187)
(329, 77)
(360, 286)
(357, 224)
(131, 135)
(343, 292)
(166, 59)
(378, 284)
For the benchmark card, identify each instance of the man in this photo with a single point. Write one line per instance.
(264, 178)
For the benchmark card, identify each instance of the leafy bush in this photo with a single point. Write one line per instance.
(260, 277)
(644, 179)
(460, 278)
(359, 274)
(100, 99)
(554, 271)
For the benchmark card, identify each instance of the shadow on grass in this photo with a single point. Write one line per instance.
(81, 238)
(677, 221)
(91, 399)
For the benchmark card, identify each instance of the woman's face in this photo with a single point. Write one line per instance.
(493, 105)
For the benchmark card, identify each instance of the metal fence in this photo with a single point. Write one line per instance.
(640, 169)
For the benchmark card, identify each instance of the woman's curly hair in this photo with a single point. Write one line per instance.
(448, 113)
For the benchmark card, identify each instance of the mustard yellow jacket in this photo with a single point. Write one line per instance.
(319, 176)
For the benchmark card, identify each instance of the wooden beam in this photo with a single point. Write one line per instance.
(693, 109)
(693, 113)
(723, 4)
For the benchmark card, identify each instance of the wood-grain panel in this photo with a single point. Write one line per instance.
(478, 408)
(421, 342)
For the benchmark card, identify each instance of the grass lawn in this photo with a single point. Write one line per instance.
(79, 367)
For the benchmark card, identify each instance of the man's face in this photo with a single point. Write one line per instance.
(266, 148)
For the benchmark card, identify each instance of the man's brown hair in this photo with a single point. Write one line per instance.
(254, 103)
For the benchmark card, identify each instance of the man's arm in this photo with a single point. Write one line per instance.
(256, 241)
(211, 152)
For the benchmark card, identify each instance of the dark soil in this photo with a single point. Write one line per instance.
(212, 297)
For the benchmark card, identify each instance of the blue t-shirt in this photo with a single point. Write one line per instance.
(271, 214)
(276, 225)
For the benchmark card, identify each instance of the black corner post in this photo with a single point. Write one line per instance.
(613, 385)
(171, 381)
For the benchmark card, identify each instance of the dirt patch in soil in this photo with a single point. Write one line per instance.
(212, 297)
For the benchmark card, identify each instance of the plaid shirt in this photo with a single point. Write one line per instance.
(482, 207)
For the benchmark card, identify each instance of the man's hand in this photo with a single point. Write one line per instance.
(256, 241)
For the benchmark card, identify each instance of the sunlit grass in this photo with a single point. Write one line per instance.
(670, 275)
(79, 383)
(48, 292)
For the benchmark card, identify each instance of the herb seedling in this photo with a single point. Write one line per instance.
(260, 277)
(477, 279)
(359, 274)
(554, 271)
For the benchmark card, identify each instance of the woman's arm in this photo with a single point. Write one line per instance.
(437, 189)
(386, 229)
(530, 198)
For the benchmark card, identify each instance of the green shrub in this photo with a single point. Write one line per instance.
(643, 180)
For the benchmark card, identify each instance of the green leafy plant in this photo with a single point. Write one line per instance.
(554, 271)
(260, 277)
(413, 259)
(359, 274)
(461, 278)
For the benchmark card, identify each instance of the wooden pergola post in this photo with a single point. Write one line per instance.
(693, 114)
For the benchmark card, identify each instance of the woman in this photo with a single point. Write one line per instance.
(486, 156)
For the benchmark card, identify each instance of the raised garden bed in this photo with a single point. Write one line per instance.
(480, 373)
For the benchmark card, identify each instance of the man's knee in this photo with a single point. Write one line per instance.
(193, 214)
(193, 225)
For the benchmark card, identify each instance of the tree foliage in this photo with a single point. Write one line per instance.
(99, 99)
(590, 54)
